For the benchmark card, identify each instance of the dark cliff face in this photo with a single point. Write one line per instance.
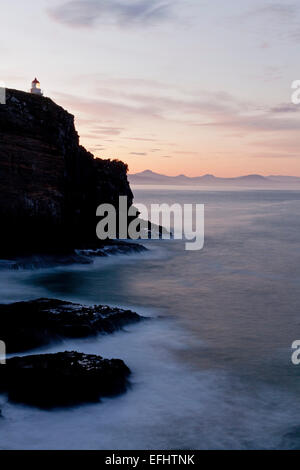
(50, 186)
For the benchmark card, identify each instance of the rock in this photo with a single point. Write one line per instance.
(50, 186)
(28, 325)
(112, 247)
(43, 260)
(62, 379)
(80, 256)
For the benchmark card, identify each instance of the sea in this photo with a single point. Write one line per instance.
(211, 368)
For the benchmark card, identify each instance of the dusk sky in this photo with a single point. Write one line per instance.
(181, 86)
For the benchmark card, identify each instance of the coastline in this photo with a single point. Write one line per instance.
(29, 325)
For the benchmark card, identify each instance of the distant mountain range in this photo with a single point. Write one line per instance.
(150, 177)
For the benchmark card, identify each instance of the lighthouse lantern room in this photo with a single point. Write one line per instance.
(36, 87)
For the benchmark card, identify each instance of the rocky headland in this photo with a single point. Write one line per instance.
(50, 186)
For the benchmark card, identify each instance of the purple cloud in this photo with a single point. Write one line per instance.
(85, 13)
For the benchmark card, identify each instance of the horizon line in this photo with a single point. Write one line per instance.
(215, 176)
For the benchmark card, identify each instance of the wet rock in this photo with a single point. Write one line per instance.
(39, 261)
(112, 247)
(80, 256)
(62, 379)
(28, 325)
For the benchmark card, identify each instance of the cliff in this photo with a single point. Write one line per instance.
(50, 186)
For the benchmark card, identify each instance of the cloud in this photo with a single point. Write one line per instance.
(218, 111)
(142, 139)
(103, 107)
(141, 154)
(256, 123)
(276, 10)
(285, 108)
(185, 152)
(86, 13)
(276, 20)
(279, 145)
(108, 130)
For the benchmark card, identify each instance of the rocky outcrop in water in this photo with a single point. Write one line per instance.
(50, 186)
(83, 256)
(62, 379)
(28, 325)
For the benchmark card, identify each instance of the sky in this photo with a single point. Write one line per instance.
(179, 87)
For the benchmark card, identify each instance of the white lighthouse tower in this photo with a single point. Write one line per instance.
(36, 88)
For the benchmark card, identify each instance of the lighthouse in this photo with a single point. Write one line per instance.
(36, 88)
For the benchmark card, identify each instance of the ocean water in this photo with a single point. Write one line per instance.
(212, 368)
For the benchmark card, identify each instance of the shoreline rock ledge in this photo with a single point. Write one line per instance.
(36, 323)
(62, 379)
